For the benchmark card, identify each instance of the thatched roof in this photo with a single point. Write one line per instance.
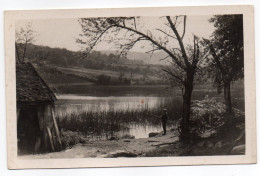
(30, 87)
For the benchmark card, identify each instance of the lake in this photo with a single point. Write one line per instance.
(133, 101)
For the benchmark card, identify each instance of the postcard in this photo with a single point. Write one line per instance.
(130, 87)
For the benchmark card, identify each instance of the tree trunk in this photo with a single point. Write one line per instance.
(227, 98)
(24, 52)
(17, 54)
(188, 88)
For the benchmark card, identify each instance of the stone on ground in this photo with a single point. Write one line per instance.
(121, 154)
(153, 134)
(238, 150)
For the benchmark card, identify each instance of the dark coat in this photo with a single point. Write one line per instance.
(164, 117)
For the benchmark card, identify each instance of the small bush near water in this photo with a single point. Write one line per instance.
(70, 138)
(209, 108)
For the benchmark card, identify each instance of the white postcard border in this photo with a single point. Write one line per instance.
(15, 163)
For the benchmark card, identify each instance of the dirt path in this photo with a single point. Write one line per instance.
(157, 146)
(114, 148)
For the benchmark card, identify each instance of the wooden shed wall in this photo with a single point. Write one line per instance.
(49, 139)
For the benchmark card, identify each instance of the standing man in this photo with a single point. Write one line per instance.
(164, 118)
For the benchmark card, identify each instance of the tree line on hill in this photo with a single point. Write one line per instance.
(96, 59)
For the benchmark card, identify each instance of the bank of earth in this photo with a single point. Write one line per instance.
(158, 145)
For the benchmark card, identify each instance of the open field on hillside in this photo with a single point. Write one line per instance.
(91, 73)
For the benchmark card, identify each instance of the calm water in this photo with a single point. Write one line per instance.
(104, 98)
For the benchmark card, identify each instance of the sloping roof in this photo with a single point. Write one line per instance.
(30, 87)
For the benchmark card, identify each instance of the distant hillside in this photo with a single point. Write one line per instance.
(145, 58)
(155, 58)
(107, 60)
(58, 65)
(62, 68)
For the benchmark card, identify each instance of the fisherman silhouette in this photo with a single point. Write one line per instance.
(164, 119)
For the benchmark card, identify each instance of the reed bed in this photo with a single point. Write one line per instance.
(111, 121)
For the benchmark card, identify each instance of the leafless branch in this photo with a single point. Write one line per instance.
(155, 43)
(184, 27)
(173, 75)
(164, 58)
(184, 55)
(166, 33)
(151, 51)
(135, 23)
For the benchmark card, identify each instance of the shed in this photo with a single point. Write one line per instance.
(37, 129)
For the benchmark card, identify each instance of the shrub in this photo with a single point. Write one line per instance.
(103, 79)
(70, 138)
(128, 136)
(209, 108)
(206, 108)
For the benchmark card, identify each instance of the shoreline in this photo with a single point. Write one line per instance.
(157, 146)
(111, 148)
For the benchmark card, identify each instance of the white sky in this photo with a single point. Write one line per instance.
(62, 33)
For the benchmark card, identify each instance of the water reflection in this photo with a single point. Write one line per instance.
(136, 130)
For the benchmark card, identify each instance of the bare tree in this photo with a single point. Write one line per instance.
(24, 36)
(126, 32)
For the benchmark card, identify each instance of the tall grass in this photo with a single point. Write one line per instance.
(111, 121)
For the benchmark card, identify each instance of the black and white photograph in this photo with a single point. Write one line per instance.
(131, 86)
